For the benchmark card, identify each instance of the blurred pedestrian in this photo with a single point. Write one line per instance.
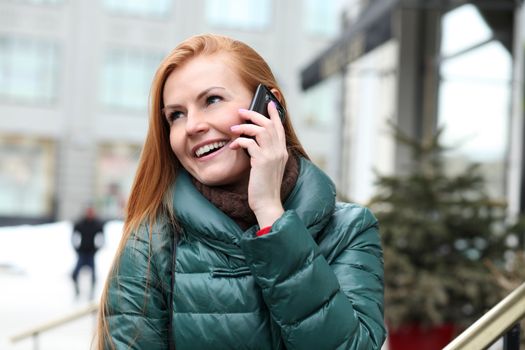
(87, 239)
(233, 239)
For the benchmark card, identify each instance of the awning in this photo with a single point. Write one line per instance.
(374, 27)
(371, 29)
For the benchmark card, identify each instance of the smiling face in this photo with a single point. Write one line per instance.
(202, 99)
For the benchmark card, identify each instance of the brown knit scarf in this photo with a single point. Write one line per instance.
(235, 205)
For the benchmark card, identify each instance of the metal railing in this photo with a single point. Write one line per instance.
(35, 331)
(501, 320)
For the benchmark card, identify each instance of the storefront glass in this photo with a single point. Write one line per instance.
(475, 96)
(27, 169)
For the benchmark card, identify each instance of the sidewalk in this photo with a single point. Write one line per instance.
(35, 267)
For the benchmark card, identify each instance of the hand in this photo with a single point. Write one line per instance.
(268, 157)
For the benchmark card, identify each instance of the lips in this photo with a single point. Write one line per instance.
(209, 148)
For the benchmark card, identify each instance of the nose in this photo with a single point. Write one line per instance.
(196, 123)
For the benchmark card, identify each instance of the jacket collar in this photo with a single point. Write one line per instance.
(312, 198)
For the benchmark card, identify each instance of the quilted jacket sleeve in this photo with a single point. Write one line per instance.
(322, 298)
(137, 310)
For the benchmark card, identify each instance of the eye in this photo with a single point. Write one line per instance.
(213, 99)
(172, 115)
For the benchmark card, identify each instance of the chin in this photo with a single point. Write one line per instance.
(223, 174)
(221, 179)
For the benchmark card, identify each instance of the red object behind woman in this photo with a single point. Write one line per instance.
(415, 337)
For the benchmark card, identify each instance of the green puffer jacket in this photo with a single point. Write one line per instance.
(314, 282)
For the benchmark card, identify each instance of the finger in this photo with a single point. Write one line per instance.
(247, 143)
(276, 119)
(273, 112)
(246, 129)
(253, 117)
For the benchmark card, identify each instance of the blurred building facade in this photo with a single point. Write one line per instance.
(425, 64)
(75, 78)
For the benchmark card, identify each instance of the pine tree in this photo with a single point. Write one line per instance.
(437, 230)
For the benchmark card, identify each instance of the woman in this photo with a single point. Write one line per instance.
(233, 239)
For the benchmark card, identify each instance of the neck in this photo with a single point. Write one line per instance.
(233, 199)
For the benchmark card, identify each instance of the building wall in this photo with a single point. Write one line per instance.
(370, 96)
(422, 79)
(84, 130)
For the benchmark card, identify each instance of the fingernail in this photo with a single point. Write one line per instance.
(273, 104)
(243, 110)
(234, 127)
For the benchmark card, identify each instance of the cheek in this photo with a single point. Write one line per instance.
(230, 115)
(176, 143)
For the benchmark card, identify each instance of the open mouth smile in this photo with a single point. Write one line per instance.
(209, 148)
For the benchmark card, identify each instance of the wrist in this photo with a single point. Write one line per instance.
(268, 215)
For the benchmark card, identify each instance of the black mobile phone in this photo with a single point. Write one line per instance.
(260, 101)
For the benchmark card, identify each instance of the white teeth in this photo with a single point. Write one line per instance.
(205, 149)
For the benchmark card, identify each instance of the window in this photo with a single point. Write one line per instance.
(26, 177)
(127, 77)
(457, 36)
(322, 17)
(474, 97)
(370, 102)
(28, 70)
(320, 104)
(239, 14)
(149, 8)
(116, 168)
(40, 2)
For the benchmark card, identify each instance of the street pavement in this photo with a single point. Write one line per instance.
(35, 268)
(35, 286)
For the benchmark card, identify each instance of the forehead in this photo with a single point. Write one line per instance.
(203, 69)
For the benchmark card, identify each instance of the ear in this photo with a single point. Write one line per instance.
(277, 94)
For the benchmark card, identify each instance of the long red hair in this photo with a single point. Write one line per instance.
(158, 166)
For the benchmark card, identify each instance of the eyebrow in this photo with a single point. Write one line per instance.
(205, 92)
(199, 96)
